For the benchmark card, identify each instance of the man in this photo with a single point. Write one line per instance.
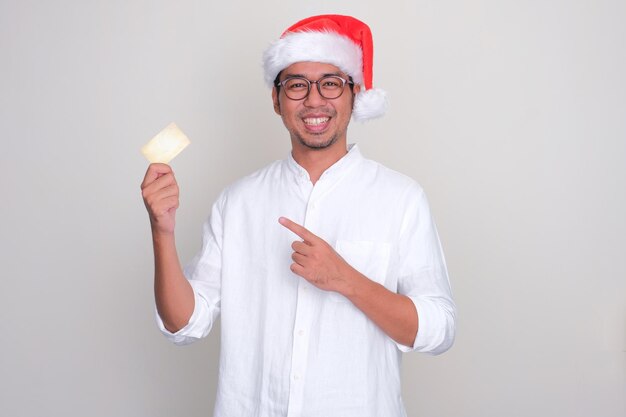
(325, 266)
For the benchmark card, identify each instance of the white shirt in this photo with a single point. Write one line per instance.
(287, 347)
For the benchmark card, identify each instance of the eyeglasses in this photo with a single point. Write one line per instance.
(329, 87)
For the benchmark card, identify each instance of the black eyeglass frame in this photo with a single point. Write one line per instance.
(282, 83)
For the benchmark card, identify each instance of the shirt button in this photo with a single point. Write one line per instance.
(300, 332)
(296, 377)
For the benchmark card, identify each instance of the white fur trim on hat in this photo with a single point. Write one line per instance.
(310, 46)
(369, 104)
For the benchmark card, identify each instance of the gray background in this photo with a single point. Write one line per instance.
(511, 114)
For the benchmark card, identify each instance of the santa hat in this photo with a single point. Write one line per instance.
(342, 41)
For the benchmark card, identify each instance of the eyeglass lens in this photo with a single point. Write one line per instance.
(329, 87)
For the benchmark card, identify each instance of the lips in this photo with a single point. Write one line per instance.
(316, 123)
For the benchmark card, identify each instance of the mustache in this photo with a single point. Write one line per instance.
(317, 113)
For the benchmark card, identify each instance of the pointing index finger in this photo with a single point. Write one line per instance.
(301, 231)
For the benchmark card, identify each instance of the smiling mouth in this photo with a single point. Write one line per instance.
(315, 121)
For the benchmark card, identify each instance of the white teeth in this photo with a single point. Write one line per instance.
(314, 121)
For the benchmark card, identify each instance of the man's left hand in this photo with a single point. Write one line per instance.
(316, 261)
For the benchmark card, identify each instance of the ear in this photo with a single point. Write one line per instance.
(275, 101)
(355, 90)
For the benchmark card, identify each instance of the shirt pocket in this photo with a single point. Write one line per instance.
(369, 258)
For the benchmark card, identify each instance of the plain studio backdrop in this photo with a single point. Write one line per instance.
(511, 114)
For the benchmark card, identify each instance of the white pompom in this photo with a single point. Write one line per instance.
(369, 104)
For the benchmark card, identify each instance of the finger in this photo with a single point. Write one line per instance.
(297, 269)
(164, 181)
(155, 171)
(156, 199)
(301, 247)
(299, 258)
(169, 191)
(164, 206)
(298, 230)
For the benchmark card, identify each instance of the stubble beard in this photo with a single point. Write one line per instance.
(312, 144)
(315, 145)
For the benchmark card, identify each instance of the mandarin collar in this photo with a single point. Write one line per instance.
(343, 165)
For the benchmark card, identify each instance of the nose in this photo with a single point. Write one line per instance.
(314, 99)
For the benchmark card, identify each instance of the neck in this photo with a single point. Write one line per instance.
(316, 161)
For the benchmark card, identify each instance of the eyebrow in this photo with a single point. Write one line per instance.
(337, 74)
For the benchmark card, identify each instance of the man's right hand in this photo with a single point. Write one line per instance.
(160, 195)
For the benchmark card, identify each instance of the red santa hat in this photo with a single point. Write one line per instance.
(342, 41)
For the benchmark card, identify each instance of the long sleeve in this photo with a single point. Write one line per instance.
(423, 277)
(204, 275)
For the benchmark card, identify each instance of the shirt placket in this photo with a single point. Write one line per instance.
(305, 310)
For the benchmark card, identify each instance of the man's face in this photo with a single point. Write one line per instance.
(314, 122)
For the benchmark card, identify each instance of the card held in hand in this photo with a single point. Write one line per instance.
(164, 147)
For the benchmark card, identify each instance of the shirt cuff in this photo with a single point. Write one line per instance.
(193, 330)
(435, 332)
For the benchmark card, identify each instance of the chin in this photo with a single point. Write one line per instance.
(317, 144)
